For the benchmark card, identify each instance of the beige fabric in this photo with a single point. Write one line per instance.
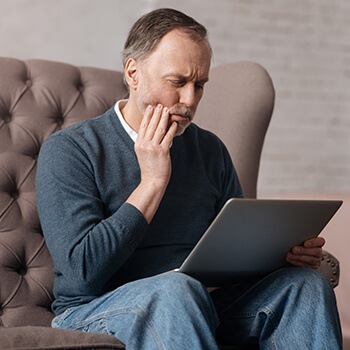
(45, 338)
(237, 106)
(36, 99)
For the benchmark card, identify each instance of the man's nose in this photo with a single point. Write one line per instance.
(188, 95)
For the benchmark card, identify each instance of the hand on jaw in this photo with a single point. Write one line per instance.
(152, 149)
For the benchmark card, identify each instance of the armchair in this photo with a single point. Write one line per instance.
(39, 97)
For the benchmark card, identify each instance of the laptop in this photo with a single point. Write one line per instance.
(251, 237)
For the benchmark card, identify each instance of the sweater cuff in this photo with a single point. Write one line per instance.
(132, 219)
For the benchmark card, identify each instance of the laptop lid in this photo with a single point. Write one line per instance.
(251, 237)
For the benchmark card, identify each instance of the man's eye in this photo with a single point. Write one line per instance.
(177, 82)
(199, 87)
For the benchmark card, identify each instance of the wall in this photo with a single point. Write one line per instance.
(82, 32)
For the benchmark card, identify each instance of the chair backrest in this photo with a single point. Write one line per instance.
(38, 97)
(237, 106)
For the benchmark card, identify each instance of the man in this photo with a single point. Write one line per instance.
(123, 198)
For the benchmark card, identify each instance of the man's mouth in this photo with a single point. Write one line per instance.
(179, 118)
(181, 114)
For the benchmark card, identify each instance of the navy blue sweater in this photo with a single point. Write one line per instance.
(97, 241)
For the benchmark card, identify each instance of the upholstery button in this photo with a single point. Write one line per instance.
(6, 118)
(80, 88)
(59, 121)
(28, 82)
(15, 195)
(22, 271)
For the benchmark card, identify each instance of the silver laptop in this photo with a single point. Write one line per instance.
(251, 237)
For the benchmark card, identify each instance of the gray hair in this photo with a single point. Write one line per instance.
(147, 32)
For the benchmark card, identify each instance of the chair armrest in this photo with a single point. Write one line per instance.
(27, 337)
(330, 268)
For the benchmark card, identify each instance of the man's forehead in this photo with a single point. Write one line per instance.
(178, 52)
(176, 39)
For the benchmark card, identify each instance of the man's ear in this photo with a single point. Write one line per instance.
(131, 73)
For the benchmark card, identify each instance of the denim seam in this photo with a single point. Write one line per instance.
(153, 329)
(109, 314)
(90, 320)
(59, 319)
(244, 315)
(269, 312)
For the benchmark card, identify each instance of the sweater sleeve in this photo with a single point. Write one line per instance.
(87, 247)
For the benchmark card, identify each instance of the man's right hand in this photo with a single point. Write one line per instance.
(153, 145)
(152, 149)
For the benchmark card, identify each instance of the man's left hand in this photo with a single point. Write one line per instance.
(307, 255)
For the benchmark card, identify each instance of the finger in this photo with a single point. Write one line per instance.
(154, 121)
(145, 121)
(296, 263)
(300, 250)
(315, 242)
(169, 136)
(163, 126)
(303, 261)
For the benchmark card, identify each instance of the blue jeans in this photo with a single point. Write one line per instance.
(289, 309)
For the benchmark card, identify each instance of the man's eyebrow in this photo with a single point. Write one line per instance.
(204, 80)
(180, 77)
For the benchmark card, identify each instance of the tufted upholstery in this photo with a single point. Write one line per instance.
(36, 99)
(39, 97)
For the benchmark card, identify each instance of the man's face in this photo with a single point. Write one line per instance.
(174, 75)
